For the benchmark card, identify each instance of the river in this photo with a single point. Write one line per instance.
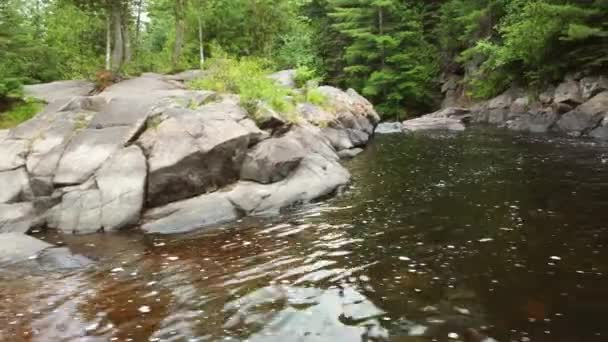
(440, 233)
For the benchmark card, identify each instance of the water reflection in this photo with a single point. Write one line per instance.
(440, 234)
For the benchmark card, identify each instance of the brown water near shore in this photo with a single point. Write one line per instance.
(485, 229)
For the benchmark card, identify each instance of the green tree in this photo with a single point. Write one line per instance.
(387, 55)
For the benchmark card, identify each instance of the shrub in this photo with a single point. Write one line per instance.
(248, 78)
(19, 113)
(304, 75)
(10, 88)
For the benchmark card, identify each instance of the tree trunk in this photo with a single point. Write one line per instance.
(381, 31)
(201, 46)
(138, 23)
(108, 42)
(180, 27)
(126, 38)
(118, 52)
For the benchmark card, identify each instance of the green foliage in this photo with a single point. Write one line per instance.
(316, 97)
(20, 112)
(388, 57)
(247, 77)
(535, 42)
(304, 75)
(10, 88)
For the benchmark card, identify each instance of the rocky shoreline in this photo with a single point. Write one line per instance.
(577, 107)
(148, 153)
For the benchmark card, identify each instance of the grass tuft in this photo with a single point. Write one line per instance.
(20, 112)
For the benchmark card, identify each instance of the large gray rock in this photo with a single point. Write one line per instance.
(60, 259)
(189, 215)
(124, 111)
(16, 247)
(349, 102)
(50, 92)
(539, 122)
(358, 137)
(17, 217)
(285, 78)
(546, 97)
(87, 151)
(314, 114)
(363, 107)
(313, 140)
(315, 178)
(338, 138)
(568, 92)
(147, 85)
(586, 116)
(121, 182)
(593, 85)
(349, 154)
(452, 90)
(79, 212)
(498, 108)
(191, 153)
(272, 160)
(389, 128)
(15, 186)
(12, 154)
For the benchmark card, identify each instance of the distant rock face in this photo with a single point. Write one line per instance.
(585, 117)
(576, 107)
(148, 151)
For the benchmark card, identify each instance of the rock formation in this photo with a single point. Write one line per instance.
(576, 107)
(147, 152)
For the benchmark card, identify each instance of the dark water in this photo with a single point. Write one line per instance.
(440, 233)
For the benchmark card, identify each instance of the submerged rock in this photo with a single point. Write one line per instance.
(188, 215)
(17, 217)
(389, 127)
(433, 123)
(15, 247)
(349, 154)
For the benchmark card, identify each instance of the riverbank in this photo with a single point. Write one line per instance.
(148, 153)
(577, 107)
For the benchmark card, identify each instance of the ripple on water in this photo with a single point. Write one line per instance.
(441, 233)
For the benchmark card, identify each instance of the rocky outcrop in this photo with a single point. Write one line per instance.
(149, 152)
(577, 107)
(585, 117)
(50, 92)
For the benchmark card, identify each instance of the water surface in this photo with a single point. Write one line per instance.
(440, 233)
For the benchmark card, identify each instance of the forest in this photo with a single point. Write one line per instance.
(392, 51)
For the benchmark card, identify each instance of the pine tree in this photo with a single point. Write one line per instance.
(387, 56)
